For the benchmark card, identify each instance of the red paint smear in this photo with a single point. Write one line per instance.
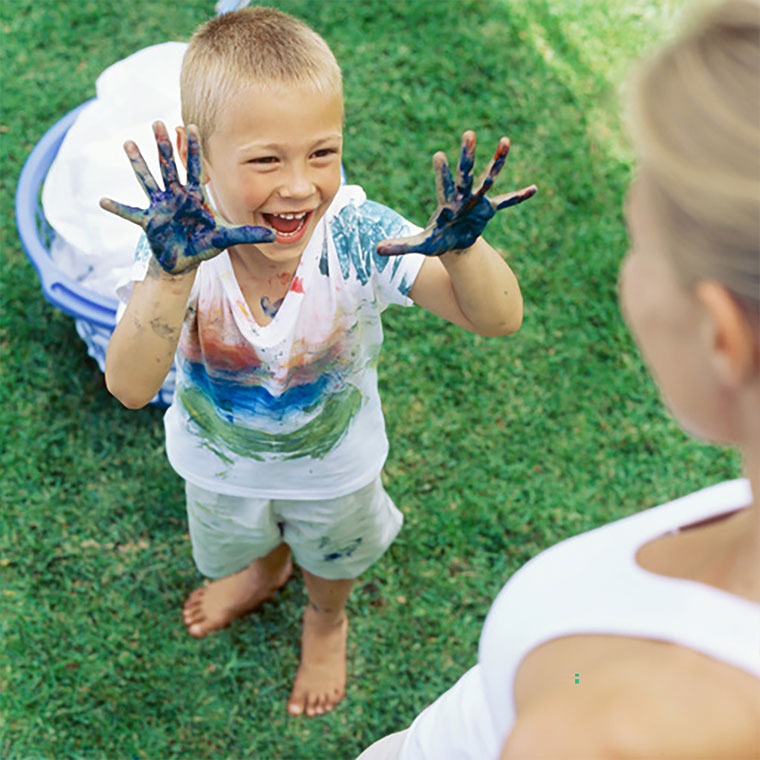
(204, 342)
(297, 285)
(221, 356)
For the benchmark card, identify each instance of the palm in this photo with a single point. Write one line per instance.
(461, 215)
(179, 224)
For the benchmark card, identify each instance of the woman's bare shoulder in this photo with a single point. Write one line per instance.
(655, 700)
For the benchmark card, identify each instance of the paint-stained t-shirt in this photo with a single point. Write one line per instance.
(291, 409)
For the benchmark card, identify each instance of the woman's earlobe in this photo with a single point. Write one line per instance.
(732, 342)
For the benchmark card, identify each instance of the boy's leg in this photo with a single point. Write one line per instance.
(217, 604)
(335, 539)
(320, 682)
(227, 532)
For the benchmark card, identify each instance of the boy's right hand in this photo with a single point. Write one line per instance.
(179, 224)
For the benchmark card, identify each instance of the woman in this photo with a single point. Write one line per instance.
(642, 638)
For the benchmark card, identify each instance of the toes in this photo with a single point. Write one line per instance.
(193, 615)
(194, 600)
(313, 707)
(196, 631)
(295, 708)
(194, 621)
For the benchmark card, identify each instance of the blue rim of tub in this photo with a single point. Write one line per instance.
(62, 291)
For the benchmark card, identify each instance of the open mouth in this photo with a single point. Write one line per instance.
(287, 226)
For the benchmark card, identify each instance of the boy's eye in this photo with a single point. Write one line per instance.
(324, 152)
(263, 160)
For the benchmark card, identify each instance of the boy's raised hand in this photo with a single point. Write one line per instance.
(179, 224)
(461, 215)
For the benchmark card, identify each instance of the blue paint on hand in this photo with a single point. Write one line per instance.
(461, 215)
(179, 223)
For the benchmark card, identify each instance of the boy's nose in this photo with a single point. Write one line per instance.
(297, 183)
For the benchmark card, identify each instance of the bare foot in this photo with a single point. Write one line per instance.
(321, 678)
(217, 604)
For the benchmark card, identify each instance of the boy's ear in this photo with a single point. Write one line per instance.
(182, 145)
(182, 150)
(733, 344)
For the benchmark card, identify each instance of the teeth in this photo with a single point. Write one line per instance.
(292, 216)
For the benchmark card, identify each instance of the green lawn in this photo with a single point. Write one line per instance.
(500, 447)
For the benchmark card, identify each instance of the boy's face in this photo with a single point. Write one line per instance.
(274, 159)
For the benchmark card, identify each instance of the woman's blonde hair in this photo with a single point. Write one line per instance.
(254, 46)
(695, 120)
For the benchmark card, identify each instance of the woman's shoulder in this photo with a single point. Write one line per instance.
(646, 699)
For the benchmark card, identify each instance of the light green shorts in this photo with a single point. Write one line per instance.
(332, 539)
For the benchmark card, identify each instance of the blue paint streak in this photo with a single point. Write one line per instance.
(356, 231)
(235, 398)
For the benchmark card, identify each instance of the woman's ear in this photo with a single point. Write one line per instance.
(731, 339)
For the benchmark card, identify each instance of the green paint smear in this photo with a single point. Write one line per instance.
(315, 439)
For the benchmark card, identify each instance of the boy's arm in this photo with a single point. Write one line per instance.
(464, 280)
(477, 291)
(182, 232)
(143, 344)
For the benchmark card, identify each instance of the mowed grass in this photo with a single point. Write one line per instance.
(500, 447)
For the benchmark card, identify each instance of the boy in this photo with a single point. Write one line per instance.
(276, 425)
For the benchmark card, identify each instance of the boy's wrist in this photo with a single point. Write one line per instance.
(157, 272)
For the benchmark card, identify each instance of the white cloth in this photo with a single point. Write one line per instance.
(90, 245)
(291, 410)
(589, 584)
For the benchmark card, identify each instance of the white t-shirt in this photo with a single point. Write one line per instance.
(589, 584)
(291, 410)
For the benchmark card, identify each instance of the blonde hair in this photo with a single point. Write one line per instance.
(695, 120)
(254, 46)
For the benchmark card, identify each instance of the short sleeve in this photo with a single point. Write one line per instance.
(137, 271)
(356, 230)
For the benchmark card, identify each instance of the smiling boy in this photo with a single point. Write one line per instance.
(274, 318)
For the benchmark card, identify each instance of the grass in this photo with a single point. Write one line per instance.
(499, 447)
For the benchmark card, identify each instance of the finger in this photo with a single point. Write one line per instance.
(421, 242)
(247, 234)
(512, 199)
(165, 154)
(141, 170)
(193, 156)
(466, 162)
(397, 246)
(130, 213)
(445, 189)
(496, 165)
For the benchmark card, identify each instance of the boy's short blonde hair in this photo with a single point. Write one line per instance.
(254, 46)
(695, 119)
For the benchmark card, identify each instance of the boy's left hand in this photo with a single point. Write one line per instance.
(461, 215)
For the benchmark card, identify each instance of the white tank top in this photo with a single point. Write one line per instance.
(589, 584)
